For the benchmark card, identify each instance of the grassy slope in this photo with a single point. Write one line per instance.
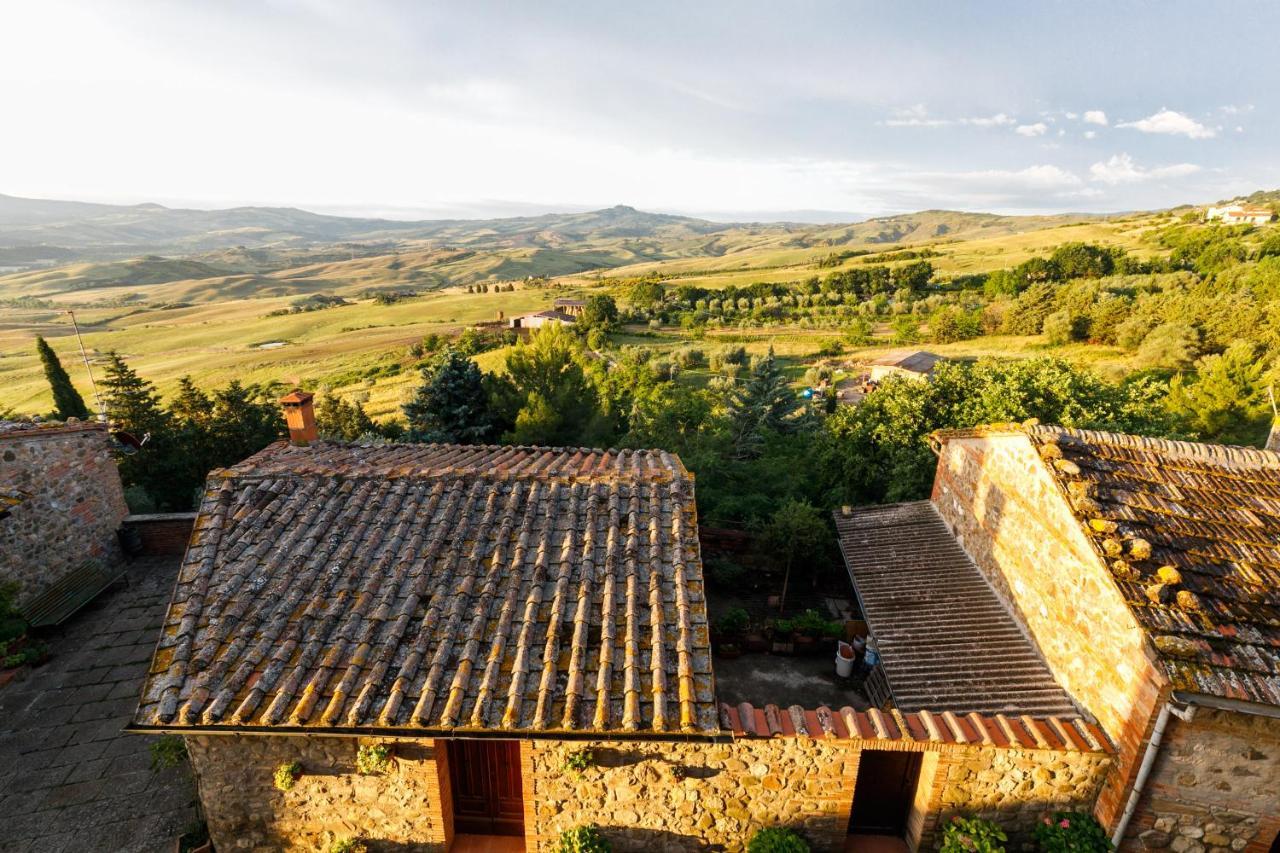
(216, 339)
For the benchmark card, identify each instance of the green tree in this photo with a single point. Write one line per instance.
(1225, 401)
(1172, 345)
(452, 403)
(67, 402)
(646, 292)
(761, 404)
(341, 419)
(132, 402)
(1060, 328)
(600, 312)
(797, 534)
(558, 404)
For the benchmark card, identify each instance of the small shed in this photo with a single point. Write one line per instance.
(917, 364)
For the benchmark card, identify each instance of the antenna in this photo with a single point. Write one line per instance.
(1271, 392)
(102, 412)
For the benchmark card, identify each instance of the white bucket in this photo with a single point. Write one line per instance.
(844, 660)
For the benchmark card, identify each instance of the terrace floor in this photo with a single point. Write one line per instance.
(69, 778)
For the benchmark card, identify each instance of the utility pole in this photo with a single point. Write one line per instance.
(102, 412)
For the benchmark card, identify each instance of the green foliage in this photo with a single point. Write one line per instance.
(777, 839)
(972, 835)
(452, 404)
(167, 751)
(372, 759)
(348, 845)
(600, 312)
(555, 403)
(337, 418)
(1061, 328)
(906, 329)
(797, 534)
(878, 451)
(646, 292)
(1173, 345)
(578, 762)
(762, 404)
(951, 324)
(67, 402)
(286, 775)
(810, 623)
(734, 622)
(582, 839)
(1071, 832)
(1224, 401)
(725, 574)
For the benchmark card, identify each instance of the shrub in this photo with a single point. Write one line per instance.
(167, 751)
(972, 835)
(286, 775)
(777, 839)
(373, 759)
(578, 762)
(725, 573)
(734, 622)
(582, 839)
(347, 845)
(1071, 832)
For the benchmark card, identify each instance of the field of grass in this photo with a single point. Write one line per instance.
(214, 327)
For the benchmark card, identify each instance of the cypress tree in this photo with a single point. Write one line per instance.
(67, 401)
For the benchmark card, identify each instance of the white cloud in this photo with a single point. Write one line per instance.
(1071, 115)
(1090, 134)
(1235, 109)
(918, 116)
(1037, 129)
(1095, 117)
(1172, 123)
(1121, 169)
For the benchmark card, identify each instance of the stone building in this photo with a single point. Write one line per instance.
(538, 319)
(61, 503)
(913, 364)
(524, 631)
(1144, 574)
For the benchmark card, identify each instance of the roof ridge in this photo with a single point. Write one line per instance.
(1223, 454)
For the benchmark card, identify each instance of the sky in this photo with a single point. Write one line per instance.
(803, 110)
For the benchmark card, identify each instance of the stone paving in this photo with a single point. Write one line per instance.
(70, 780)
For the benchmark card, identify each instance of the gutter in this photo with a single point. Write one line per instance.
(433, 733)
(1185, 713)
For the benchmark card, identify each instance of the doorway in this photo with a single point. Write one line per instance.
(484, 779)
(884, 792)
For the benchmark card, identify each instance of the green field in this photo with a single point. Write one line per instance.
(213, 327)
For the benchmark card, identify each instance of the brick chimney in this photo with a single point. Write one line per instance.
(301, 417)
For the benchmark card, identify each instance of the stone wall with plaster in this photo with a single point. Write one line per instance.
(1215, 787)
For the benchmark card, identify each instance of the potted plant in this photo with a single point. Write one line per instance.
(731, 626)
(782, 632)
(754, 640)
(972, 835)
(1071, 832)
(777, 839)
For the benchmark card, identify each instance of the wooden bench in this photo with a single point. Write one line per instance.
(60, 602)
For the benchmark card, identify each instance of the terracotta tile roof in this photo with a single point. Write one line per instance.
(1021, 731)
(945, 638)
(439, 587)
(1191, 534)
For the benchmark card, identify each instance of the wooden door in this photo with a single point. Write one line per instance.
(884, 792)
(485, 779)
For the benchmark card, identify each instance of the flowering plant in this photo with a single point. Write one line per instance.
(972, 835)
(1071, 832)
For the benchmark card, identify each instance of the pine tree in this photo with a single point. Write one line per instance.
(337, 418)
(760, 405)
(132, 402)
(67, 402)
(452, 404)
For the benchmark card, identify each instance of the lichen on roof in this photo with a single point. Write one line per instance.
(1191, 534)
(440, 588)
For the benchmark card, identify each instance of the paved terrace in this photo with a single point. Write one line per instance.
(69, 779)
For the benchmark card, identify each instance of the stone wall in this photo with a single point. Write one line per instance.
(1004, 507)
(1215, 786)
(645, 796)
(163, 534)
(404, 809)
(690, 796)
(73, 506)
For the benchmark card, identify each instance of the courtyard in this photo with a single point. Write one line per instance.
(69, 778)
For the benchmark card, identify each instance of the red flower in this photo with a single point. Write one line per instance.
(1064, 823)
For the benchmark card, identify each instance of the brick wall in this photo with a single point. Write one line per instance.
(74, 508)
(1214, 787)
(1007, 511)
(644, 796)
(163, 534)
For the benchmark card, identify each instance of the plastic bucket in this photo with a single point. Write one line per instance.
(844, 660)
